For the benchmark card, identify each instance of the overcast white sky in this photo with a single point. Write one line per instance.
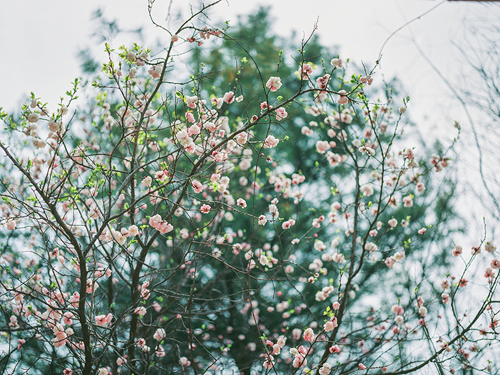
(39, 41)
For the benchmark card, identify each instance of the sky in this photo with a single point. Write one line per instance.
(418, 40)
(40, 40)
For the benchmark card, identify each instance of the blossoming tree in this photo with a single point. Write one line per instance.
(161, 229)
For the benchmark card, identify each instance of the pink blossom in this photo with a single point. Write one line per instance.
(121, 361)
(91, 286)
(489, 247)
(367, 190)
(343, 98)
(334, 349)
(281, 341)
(141, 310)
(33, 117)
(317, 221)
(251, 264)
(133, 231)
(67, 318)
(281, 114)
(271, 142)
(325, 369)
(156, 306)
(184, 361)
(305, 71)
(161, 176)
(367, 80)
(299, 361)
(323, 81)
(420, 187)
(389, 262)
(159, 334)
(241, 202)
(217, 102)
(145, 293)
(408, 201)
(155, 70)
(319, 245)
(322, 146)
(228, 97)
(475, 250)
(74, 299)
(61, 336)
(11, 225)
(269, 362)
(445, 284)
(197, 186)
(308, 335)
(13, 321)
(205, 209)
(165, 227)
(193, 130)
(287, 224)
(330, 325)
(242, 138)
(276, 349)
(457, 250)
(103, 320)
(346, 117)
(210, 126)
(155, 221)
(20, 343)
(420, 301)
(399, 256)
(397, 309)
(445, 297)
(338, 258)
(273, 83)
(160, 352)
(337, 63)
(422, 311)
(191, 101)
